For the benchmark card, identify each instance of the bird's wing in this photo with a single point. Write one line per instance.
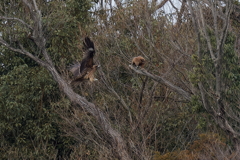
(89, 53)
(75, 69)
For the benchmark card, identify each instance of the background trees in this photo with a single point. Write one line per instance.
(184, 102)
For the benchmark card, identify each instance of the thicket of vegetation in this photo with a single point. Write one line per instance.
(184, 104)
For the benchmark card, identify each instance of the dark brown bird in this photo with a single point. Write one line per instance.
(86, 68)
(138, 61)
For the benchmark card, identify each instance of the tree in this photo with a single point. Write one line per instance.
(216, 71)
(213, 32)
(34, 24)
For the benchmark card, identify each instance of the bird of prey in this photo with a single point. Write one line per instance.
(86, 68)
(138, 61)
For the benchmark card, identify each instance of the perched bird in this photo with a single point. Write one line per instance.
(138, 61)
(86, 68)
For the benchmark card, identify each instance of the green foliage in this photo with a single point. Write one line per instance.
(196, 75)
(27, 121)
(231, 72)
(80, 10)
(195, 104)
(64, 22)
(204, 70)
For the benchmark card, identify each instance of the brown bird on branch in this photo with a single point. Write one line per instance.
(138, 61)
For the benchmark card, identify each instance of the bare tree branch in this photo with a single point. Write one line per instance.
(24, 52)
(37, 29)
(17, 19)
(162, 4)
(195, 25)
(118, 3)
(180, 13)
(161, 80)
(204, 28)
(112, 90)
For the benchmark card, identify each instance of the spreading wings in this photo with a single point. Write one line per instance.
(86, 68)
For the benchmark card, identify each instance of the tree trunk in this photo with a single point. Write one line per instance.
(116, 139)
